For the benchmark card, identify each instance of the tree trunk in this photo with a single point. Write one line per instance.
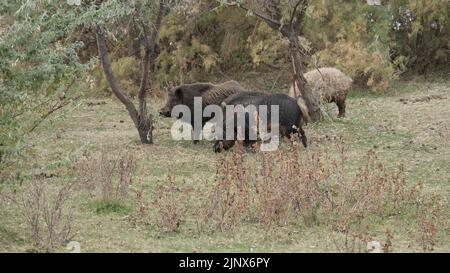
(106, 64)
(141, 119)
(145, 124)
(272, 15)
(145, 129)
(304, 89)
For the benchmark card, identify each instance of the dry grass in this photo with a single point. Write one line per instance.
(293, 187)
(409, 155)
(170, 204)
(228, 199)
(107, 175)
(140, 213)
(47, 214)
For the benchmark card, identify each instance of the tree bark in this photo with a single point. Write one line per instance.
(271, 14)
(145, 126)
(142, 119)
(295, 52)
(304, 91)
(106, 64)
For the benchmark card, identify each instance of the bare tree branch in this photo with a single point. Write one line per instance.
(271, 22)
(106, 64)
(293, 14)
(300, 15)
(150, 47)
(53, 109)
(272, 16)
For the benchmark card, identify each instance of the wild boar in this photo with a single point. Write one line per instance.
(330, 84)
(211, 94)
(290, 122)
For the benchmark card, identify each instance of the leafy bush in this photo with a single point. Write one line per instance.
(193, 50)
(420, 32)
(292, 187)
(353, 37)
(127, 72)
(266, 47)
(365, 67)
(40, 72)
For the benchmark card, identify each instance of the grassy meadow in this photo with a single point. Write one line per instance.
(172, 182)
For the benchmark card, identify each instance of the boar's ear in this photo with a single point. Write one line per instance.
(179, 92)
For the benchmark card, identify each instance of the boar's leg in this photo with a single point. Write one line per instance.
(341, 107)
(196, 141)
(218, 146)
(196, 135)
(300, 135)
(223, 145)
(340, 102)
(303, 137)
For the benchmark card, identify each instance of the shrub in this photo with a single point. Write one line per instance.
(46, 213)
(420, 32)
(228, 203)
(194, 50)
(266, 47)
(430, 220)
(107, 179)
(171, 204)
(141, 207)
(353, 37)
(291, 187)
(367, 66)
(127, 72)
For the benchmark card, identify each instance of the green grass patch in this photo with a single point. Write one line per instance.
(108, 207)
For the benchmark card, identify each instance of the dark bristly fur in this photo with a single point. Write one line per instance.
(211, 94)
(290, 116)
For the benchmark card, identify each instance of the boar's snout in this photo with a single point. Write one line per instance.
(218, 147)
(164, 112)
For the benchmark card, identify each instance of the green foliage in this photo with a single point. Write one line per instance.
(352, 36)
(373, 44)
(266, 47)
(127, 72)
(367, 66)
(39, 69)
(199, 39)
(420, 34)
(109, 206)
(192, 50)
(185, 61)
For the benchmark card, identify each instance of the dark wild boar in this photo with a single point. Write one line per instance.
(292, 117)
(211, 94)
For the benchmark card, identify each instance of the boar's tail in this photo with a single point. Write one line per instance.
(304, 109)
